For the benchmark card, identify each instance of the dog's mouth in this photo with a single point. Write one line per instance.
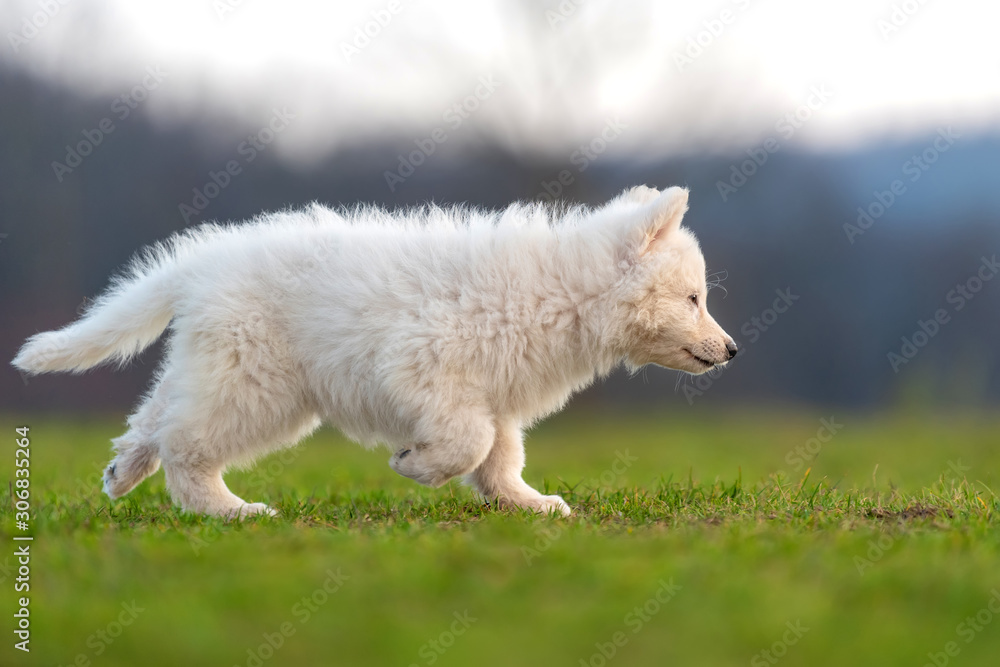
(704, 362)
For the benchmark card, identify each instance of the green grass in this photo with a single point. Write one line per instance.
(877, 549)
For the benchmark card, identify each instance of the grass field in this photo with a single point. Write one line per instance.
(703, 539)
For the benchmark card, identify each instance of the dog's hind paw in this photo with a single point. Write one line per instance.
(112, 485)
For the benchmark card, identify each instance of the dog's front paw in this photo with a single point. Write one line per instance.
(537, 503)
(550, 504)
(249, 509)
(408, 462)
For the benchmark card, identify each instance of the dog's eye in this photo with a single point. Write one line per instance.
(694, 299)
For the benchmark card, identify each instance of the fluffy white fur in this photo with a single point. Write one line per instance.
(439, 332)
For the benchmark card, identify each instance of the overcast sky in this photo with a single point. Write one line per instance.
(691, 76)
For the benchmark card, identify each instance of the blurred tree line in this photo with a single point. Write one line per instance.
(818, 311)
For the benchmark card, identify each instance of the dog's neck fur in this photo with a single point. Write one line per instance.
(575, 332)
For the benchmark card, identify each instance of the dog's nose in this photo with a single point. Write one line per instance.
(732, 349)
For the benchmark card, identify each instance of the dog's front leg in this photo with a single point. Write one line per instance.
(499, 476)
(456, 445)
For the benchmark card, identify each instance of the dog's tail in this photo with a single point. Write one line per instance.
(124, 321)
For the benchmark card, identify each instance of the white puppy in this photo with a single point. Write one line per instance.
(440, 332)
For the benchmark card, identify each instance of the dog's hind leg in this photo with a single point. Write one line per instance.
(197, 453)
(218, 433)
(197, 486)
(137, 451)
(499, 476)
(237, 395)
(137, 459)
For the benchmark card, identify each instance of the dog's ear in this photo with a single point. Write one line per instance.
(660, 218)
(640, 194)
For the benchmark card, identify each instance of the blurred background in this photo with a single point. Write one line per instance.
(842, 159)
